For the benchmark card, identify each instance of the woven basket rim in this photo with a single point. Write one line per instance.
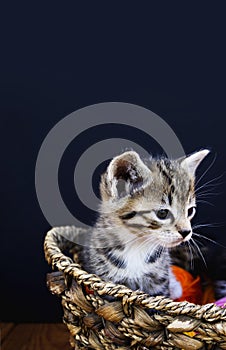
(58, 237)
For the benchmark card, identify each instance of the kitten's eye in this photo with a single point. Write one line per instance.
(191, 211)
(128, 215)
(162, 213)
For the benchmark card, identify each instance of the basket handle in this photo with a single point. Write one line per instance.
(59, 239)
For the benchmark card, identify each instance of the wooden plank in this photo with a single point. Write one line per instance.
(37, 337)
(5, 328)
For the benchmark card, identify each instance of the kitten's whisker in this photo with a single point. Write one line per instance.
(209, 239)
(204, 202)
(133, 239)
(191, 255)
(148, 241)
(200, 242)
(199, 251)
(206, 171)
(159, 251)
(151, 242)
(193, 249)
(212, 185)
(164, 247)
(206, 225)
(156, 247)
(208, 186)
(207, 193)
(209, 182)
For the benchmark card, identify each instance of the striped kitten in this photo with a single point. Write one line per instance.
(146, 209)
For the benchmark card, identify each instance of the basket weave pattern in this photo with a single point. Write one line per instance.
(130, 319)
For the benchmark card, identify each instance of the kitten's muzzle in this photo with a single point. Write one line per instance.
(184, 233)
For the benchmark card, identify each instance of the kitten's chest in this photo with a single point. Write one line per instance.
(143, 259)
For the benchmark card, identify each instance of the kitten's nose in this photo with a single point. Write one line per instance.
(184, 233)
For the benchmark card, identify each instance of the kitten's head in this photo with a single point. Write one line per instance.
(155, 200)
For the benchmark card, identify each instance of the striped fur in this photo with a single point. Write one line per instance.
(131, 239)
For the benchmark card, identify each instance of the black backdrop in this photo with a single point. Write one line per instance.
(58, 58)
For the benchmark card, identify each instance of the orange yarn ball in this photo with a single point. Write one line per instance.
(191, 287)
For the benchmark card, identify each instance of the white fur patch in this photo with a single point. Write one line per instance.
(174, 286)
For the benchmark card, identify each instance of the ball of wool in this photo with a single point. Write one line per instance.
(191, 286)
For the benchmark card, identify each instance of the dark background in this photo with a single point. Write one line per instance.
(56, 59)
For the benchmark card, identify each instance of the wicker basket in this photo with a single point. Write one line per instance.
(130, 319)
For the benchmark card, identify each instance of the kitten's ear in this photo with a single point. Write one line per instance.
(125, 175)
(192, 162)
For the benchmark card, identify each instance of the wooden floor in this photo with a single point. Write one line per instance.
(38, 336)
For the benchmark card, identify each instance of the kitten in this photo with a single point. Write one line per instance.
(146, 210)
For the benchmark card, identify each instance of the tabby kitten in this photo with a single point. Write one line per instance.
(146, 209)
